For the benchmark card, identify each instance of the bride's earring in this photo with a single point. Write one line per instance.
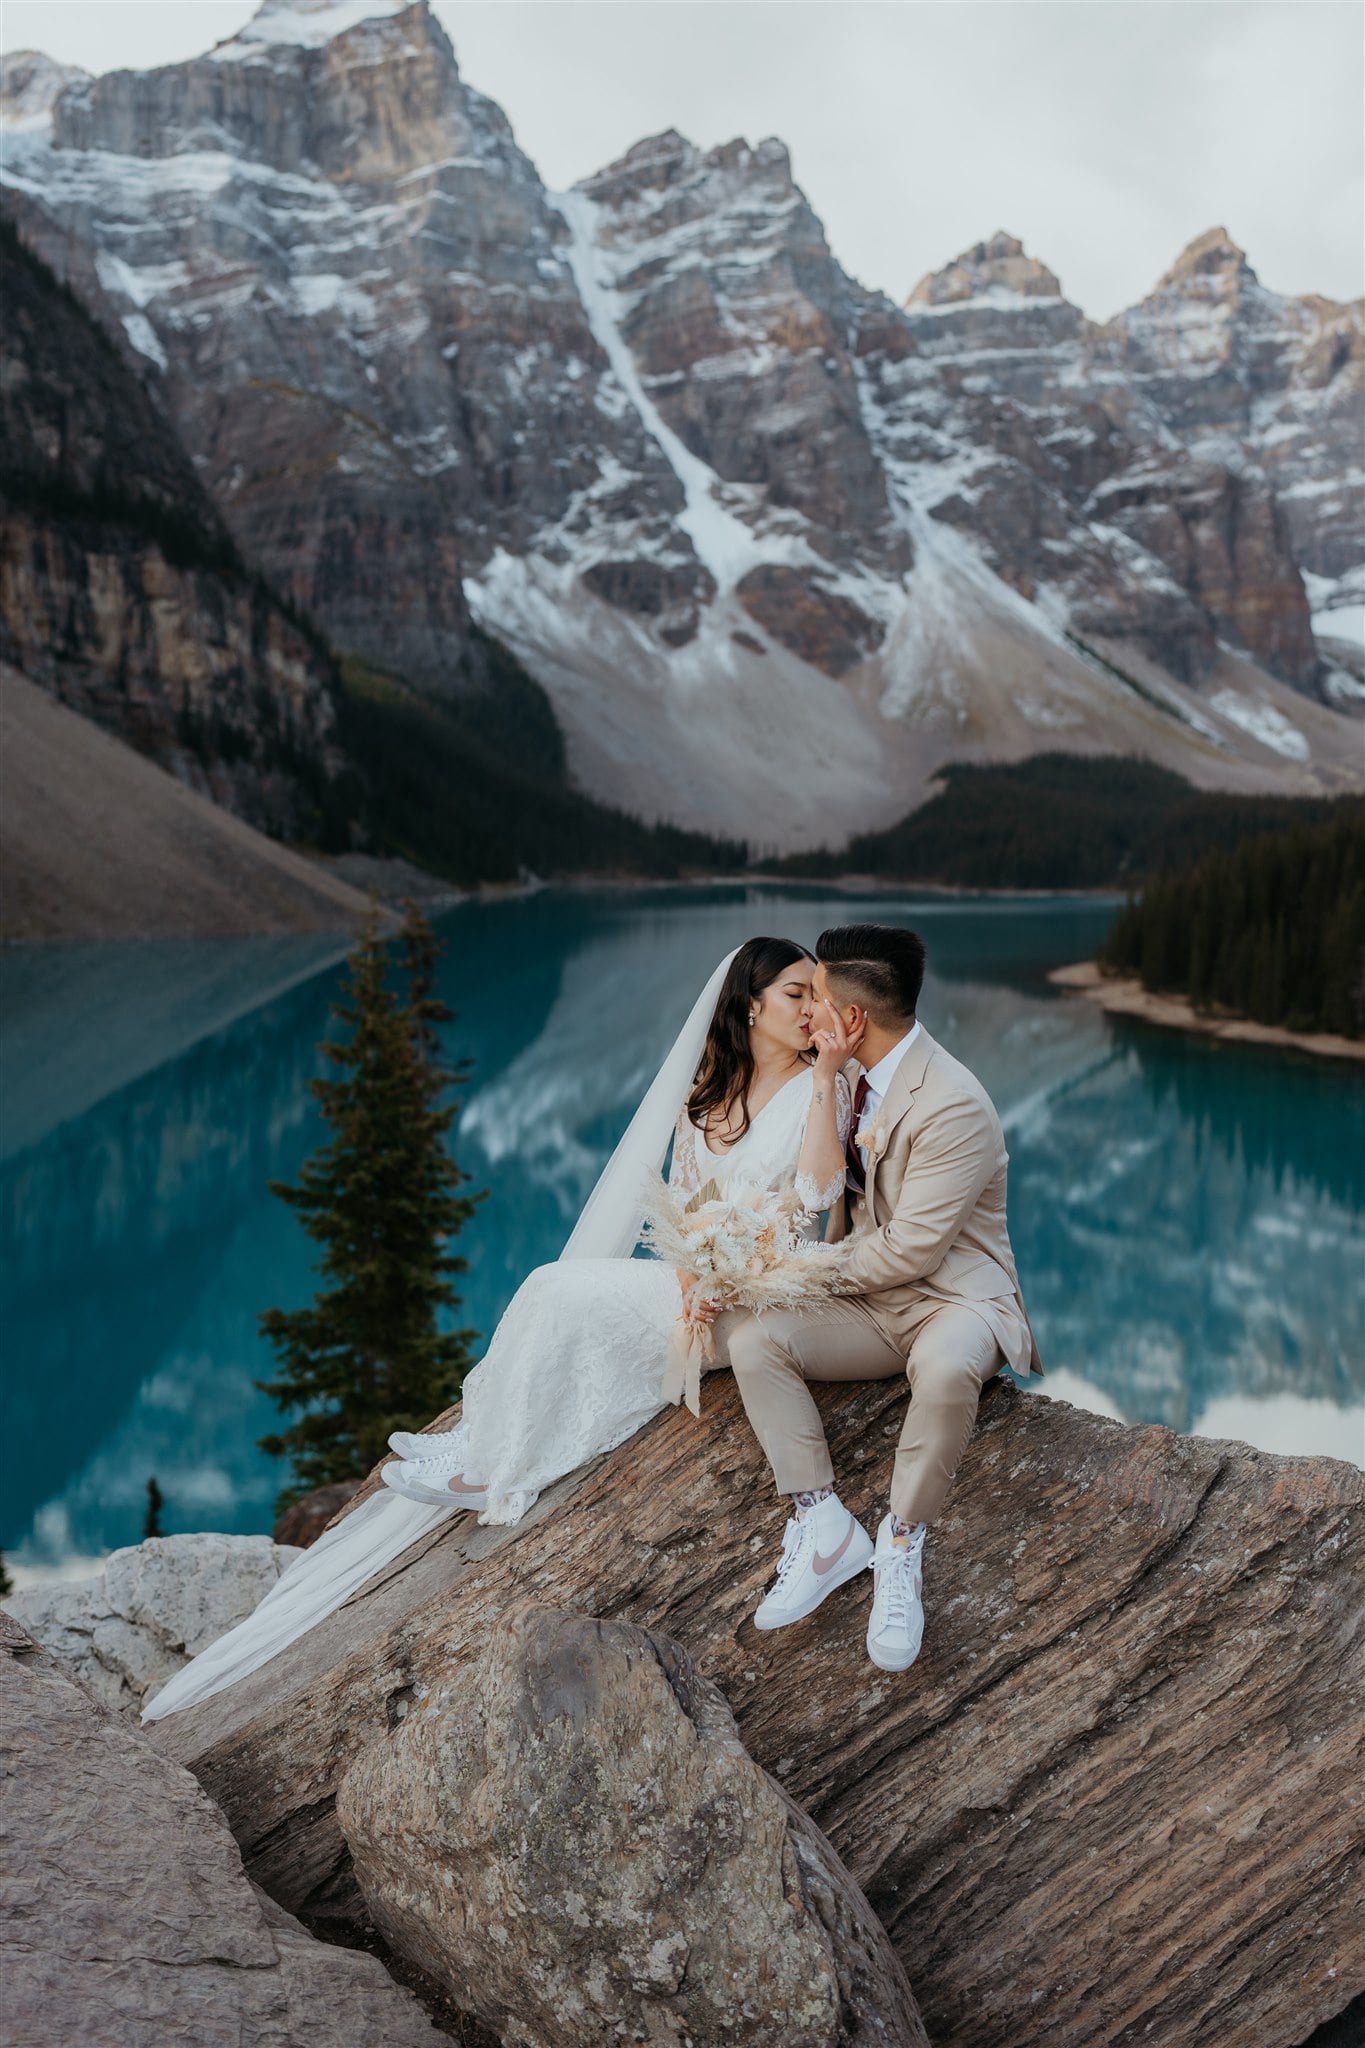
(752, 1018)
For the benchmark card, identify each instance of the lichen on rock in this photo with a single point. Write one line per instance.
(566, 1831)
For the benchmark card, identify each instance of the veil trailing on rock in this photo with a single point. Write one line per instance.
(350, 1553)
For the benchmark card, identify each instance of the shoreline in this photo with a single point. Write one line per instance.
(835, 885)
(1125, 997)
(882, 885)
(392, 881)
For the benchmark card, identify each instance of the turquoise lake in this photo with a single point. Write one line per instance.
(1189, 1218)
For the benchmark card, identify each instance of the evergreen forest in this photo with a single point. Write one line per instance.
(1273, 929)
(1060, 821)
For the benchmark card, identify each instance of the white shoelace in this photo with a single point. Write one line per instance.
(436, 1461)
(447, 1443)
(444, 1465)
(894, 1576)
(797, 1537)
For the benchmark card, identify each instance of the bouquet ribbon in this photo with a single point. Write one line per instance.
(744, 1252)
(690, 1348)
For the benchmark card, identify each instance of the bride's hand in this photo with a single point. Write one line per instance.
(833, 1046)
(695, 1307)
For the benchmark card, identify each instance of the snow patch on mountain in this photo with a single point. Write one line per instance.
(1264, 723)
(30, 83)
(306, 24)
(998, 298)
(1338, 604)
(144, 338)
(1344, 689)
(712, 732)
(1342, 622)
(724, 544)
(158, 280)
(934, 642)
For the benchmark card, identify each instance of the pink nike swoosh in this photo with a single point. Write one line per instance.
(826, 1564)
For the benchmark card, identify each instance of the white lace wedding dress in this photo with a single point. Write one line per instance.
(577, 1363)
(575, 1366)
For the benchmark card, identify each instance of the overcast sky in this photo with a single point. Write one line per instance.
(1105, 133)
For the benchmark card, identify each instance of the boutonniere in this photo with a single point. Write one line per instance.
(871, 1138)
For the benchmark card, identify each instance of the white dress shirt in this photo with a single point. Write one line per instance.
(879, 1079)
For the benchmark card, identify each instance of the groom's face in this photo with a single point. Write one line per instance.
(854, 1016)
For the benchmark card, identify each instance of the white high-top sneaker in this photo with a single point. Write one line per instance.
(821, 1549)
(436, 1480)
(424, 1443)
(896, 1628)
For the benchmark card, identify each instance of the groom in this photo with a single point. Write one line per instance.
(931, 1286)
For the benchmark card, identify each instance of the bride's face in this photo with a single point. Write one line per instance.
(783, 1014)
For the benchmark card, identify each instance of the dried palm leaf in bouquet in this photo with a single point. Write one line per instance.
(744, 1250)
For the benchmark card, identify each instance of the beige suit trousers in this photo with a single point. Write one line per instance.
(952, 1353)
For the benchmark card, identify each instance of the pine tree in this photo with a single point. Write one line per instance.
(156, 1501)
(420, 954)
(368, 1356)
(1201, 949)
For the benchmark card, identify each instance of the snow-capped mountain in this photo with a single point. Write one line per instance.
(1250, 379)
(776, 546)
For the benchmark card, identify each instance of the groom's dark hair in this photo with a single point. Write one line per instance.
(880, 966)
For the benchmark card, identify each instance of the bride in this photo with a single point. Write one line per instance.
(581, 1358)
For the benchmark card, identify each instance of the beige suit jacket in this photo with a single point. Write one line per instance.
(932, 1220)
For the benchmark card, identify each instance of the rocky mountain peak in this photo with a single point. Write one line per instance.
(771, 156)
(1213, 254)
(359, 91)
(30, 84)
(307, 24)
(994, 266)
(652, 430)
(670, 159)
(1210, 311)
(650, 165)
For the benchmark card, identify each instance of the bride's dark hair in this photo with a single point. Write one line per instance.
(726, 1070)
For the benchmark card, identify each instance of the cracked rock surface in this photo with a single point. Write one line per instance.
(126, 1920)
(567, 1832)
(1119, 1799)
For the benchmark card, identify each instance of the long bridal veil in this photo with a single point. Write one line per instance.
(373, 1535)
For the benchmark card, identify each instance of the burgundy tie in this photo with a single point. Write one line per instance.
(851, 1153)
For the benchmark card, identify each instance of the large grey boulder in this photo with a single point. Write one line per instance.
(126, 1919)
(149, 1609)
(567, 1832)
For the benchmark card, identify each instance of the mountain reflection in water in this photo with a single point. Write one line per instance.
(1187, 1216)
